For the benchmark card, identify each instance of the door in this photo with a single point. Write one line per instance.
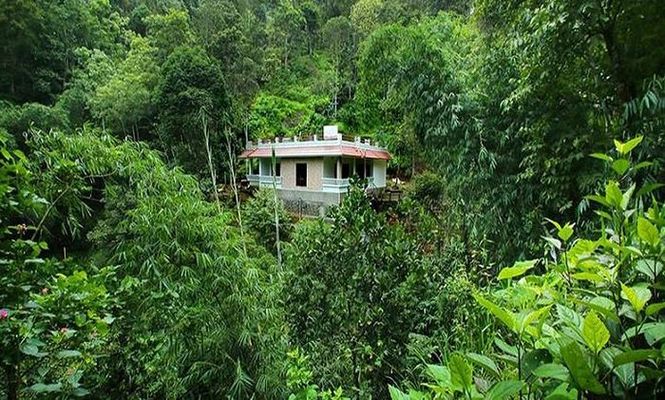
(301, 174)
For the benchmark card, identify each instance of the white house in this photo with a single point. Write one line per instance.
(315, 171)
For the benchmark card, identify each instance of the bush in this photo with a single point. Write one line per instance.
(258, 215)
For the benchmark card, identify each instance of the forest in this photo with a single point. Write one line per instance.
(523, 261)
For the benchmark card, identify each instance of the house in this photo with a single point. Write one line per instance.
(313, 173)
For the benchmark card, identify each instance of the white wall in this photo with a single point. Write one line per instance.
(379, 171)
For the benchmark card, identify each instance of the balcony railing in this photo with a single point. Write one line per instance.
(334, 182)
(264, 180)
(314, 140)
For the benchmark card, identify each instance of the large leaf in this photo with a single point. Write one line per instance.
(68, 353)
(654, 308)
(621, 166)
(650, 268)
(594, 332)
(505, 316)
(562, 393)
(518, 269)
(613, 194)
(576, 361)
(484, 362)
(504, 390)
(461, 373)
(635, 356)
(534, 359)
(625, 148)
(396, 394)
(647, 231)
(534, 316)
(637, 296)
(45, 388)
(440, 374)
(552, 370)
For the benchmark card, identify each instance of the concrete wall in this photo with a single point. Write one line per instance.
(309, 202)
(314, 173)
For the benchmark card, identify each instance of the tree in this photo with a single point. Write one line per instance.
(168, 31)
(40, 39)
(286, 24)
(191, 83)
(338, 35)
(126, 102)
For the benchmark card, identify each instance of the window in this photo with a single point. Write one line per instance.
(301, 174)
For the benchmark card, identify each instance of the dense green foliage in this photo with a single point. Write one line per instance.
(587, 324)
(125, 273)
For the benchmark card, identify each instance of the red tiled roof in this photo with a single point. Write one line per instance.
(316, 151)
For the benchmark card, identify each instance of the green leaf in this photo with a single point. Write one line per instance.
(613, 194)
(484, 362)
(504, 390)
(562, 393)
(602, 156)
(656, 330)
(396, 394)
(440, 374)
(576, 362)
(654, 308)
(637, 296)
(80, 392)
(518, 269)
(621, 166)
(647, 232)
(505, 316)
(650, 268)
(643, 164)
(461, 373)
(552, 370)
(534, 316)
(44, 388)
(566, 232)
(625, 148)
(648, 188)
(625, 198)
(635, 356)
(68, 353)
(534, 359)
(594, 332)
(587, 276)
